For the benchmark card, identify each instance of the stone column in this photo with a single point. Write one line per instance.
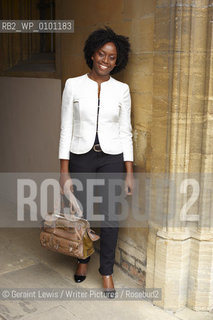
(180, 242)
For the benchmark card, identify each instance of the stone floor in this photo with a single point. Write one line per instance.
(25, 264)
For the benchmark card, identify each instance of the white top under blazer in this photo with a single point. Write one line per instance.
(79, 117)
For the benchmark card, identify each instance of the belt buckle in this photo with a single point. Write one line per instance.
(94, 148)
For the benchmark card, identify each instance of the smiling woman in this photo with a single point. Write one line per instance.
(96, 135)
(99, 38)
(104, 59)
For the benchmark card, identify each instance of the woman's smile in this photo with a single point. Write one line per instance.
(101, 66)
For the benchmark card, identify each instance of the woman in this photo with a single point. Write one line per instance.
(96, 131)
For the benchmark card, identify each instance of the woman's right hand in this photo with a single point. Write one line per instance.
(64, 177)
(67, 186)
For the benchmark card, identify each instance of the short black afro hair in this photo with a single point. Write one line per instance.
(101, 36)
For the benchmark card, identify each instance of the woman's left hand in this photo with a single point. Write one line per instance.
(129, 183)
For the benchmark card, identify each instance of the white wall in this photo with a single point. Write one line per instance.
(29, 124)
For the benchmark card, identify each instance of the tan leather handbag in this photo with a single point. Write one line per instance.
(68, 234)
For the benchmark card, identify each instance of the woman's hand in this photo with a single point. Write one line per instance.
(129, 183)
(67, 186)
(65, 182)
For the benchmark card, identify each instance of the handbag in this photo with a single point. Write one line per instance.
(68, 234)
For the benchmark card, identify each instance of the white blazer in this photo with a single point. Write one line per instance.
(79, 117)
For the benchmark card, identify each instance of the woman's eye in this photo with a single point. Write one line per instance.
(101, 54)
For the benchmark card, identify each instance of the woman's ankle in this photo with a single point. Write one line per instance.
(81, 268)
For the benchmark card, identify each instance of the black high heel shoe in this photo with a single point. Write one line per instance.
(79, 278)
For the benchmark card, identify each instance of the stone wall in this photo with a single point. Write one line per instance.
(179, 252)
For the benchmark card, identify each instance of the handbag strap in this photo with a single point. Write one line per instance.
(74, 207)
(73, 204)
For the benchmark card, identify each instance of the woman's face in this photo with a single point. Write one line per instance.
(104, 59)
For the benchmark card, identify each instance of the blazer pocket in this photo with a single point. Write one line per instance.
(76, 129)
(76, 110)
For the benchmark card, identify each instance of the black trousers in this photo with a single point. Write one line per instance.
(99, 165)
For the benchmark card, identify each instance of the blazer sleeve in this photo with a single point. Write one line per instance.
(66, 121)
(125, 125)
